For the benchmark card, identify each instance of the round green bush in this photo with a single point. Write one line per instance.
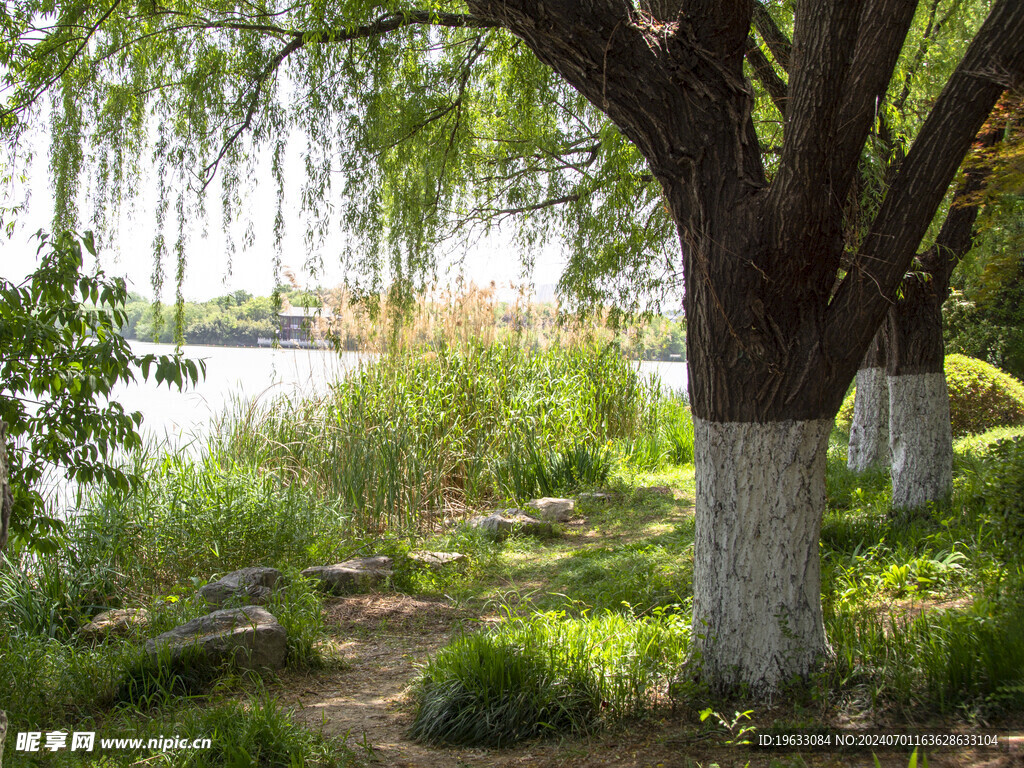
(981, 397)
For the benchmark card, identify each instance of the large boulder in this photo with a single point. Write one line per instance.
(249, 585)
(248, 637)
(500, 525)
(358, 573)
(119, 621)
(556, 510)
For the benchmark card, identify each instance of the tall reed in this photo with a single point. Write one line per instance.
(422, 431)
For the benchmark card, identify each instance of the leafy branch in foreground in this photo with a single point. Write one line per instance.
(61, 355)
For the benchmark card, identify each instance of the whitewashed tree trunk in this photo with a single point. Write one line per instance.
(869, 431)
(922, 439)
(757, 616)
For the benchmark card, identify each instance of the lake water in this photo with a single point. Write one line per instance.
(245, 373)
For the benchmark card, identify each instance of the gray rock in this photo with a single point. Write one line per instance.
(249, 637)
(499, 525)
(436, 560)
(251, 585)
(358, 573)
(549, 508)
(119, 621)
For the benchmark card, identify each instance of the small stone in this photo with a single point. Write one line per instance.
(499, 525)
(358, 573)
(436, 560)
(119, 621)
(549, 508)
(252, 585)
(249, 637)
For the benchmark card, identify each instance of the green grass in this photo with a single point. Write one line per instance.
(547, 674)
(419, 432)
(595, 619)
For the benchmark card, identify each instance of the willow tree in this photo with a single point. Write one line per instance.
(465, 112)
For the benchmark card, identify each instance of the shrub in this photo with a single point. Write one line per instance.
(981, 397)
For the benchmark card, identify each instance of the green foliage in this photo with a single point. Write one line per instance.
(995, 337)
(529, 473)
(943, 661)
(984, 318)
(61, 356)
(194, 518)
(403, 437)
(1003, 490)
(545, 675)
(151, 683)
(667, 438)
(54, 596)
(237, 319)
(639, 576)
(981, 397)
(258, 732)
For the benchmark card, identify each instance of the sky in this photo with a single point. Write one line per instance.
(208, 272)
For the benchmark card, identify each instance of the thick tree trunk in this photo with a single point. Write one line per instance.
(921, 438)
(757, 615)
(869, 430)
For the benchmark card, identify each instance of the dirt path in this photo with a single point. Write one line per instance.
(381, 638)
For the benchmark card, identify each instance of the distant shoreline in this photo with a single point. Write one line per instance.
(290, 346)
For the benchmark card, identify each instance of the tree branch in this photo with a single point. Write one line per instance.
(776, 40)
(994, 62)
(801, 204)
(884, 27)
(766, 74)
(377, 28)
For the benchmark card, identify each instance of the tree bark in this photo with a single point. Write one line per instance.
(3, 735)
(6, 498)
(921, 438)
(919, 424)
(772, 343)
(757, 614)
(869, 430)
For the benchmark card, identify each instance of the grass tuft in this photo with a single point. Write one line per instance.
(546, 674)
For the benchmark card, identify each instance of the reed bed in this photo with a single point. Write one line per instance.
(424, 433)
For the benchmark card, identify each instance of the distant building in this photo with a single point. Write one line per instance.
(298, 323)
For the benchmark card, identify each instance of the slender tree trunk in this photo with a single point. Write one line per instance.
(3, 734)
(869, 430)
(6, 499)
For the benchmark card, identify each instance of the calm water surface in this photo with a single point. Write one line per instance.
(234, 373)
